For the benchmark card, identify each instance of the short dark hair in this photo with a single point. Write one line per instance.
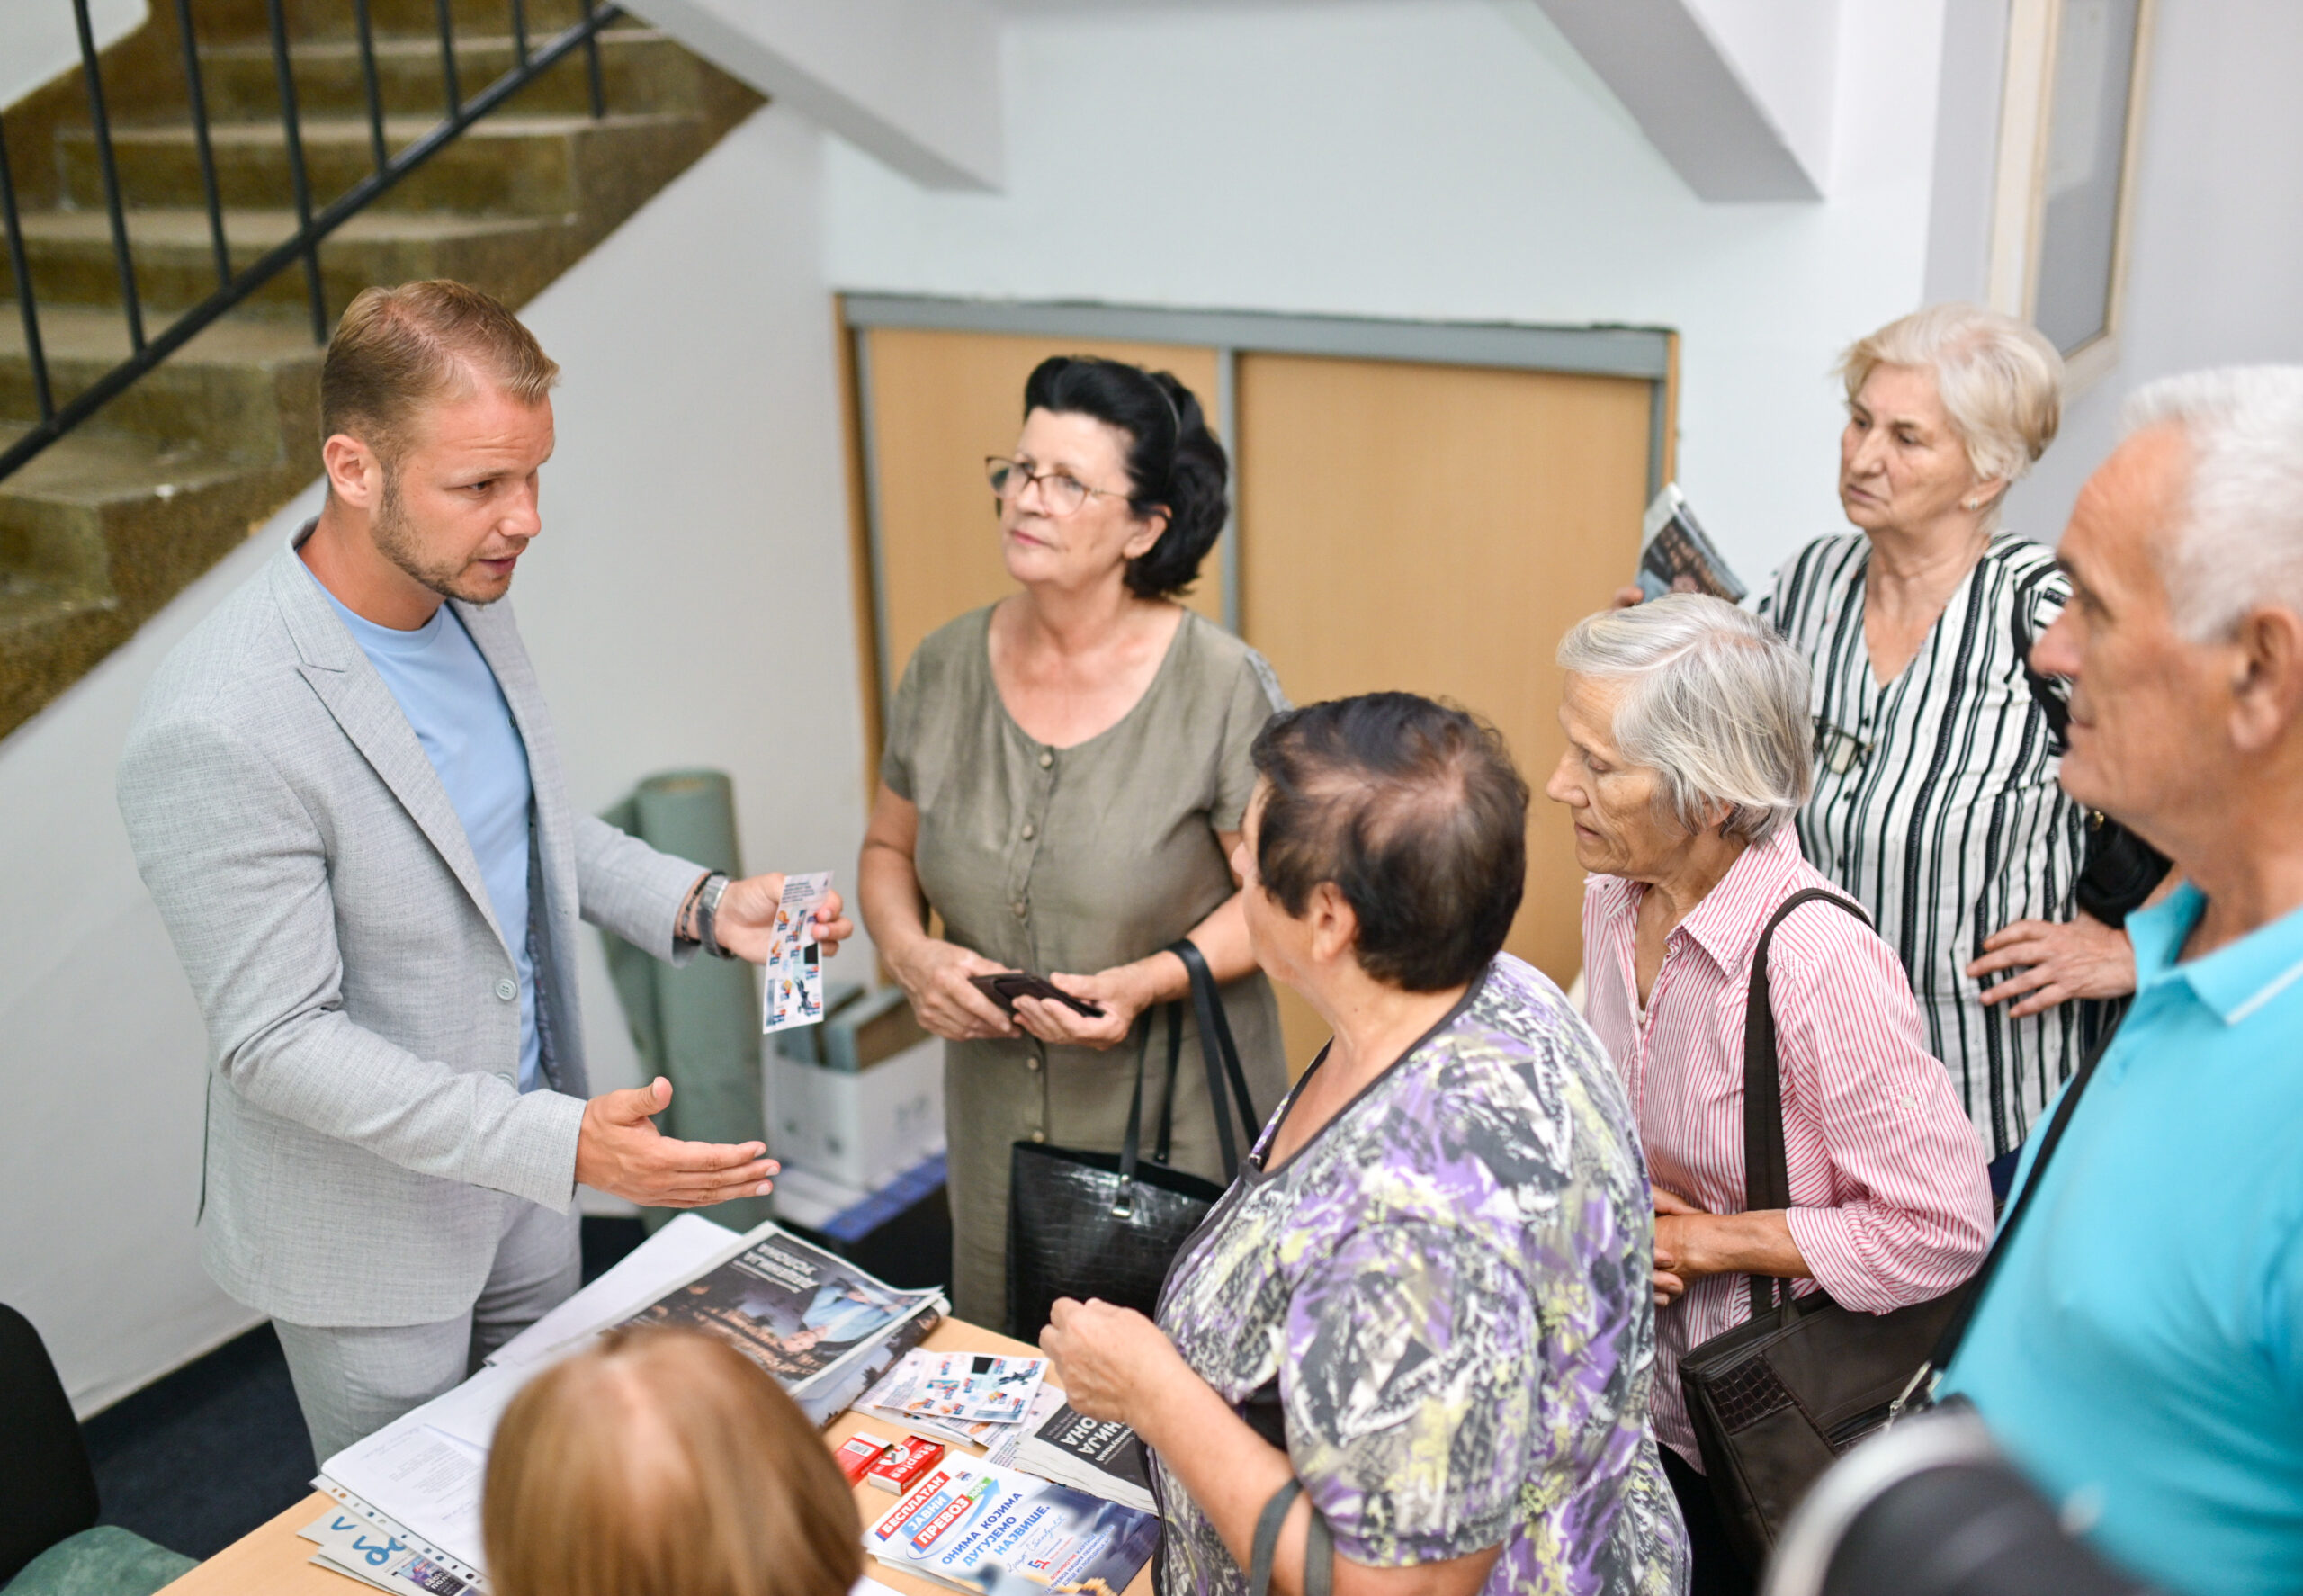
(1417, 814)
(1175, 465)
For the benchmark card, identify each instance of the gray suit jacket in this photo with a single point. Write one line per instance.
(366, 1136)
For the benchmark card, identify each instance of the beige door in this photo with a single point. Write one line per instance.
(1436, 529)
(939, 402)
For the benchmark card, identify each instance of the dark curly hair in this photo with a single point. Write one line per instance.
(1175, 466)
(1415, 812)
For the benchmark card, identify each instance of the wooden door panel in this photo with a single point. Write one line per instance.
(1437, 529)
(940, 402)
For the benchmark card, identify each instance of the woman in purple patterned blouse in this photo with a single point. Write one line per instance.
(1425, 1301)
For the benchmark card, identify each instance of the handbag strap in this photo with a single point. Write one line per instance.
(1220, 1054)
(1767, 1170)
(1168, 1099)
(1319, 1545)
(1955, 1330)
(1131, 1148)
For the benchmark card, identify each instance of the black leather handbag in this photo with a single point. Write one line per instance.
(1777, 1399)
(1083, 1223)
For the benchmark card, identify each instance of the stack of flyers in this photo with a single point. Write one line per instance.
(961, 1388)
(794, 969)
(351, 1545)
(977, 1528)
(1000, 1449)
(1100, 1456)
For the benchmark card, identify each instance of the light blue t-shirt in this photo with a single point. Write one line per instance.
(452, 699)
(2140, 1351)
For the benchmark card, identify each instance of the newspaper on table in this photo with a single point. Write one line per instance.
(801, 1313)
(1099, 1456)
(1675, 556)
(793, 977)
(822, 1327)
(976, 1526)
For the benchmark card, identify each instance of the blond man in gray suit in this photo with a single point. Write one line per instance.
(343, 792)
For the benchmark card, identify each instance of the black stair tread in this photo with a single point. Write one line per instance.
(171, 226)
(91, 467)
(95, 333)
(399, 131)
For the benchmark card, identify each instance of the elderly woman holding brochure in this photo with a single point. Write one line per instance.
(1413, 1341)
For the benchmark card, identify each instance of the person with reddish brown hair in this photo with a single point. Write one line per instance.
(665, 1463)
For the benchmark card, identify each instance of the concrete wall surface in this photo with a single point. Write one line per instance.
(688, 603)
(1441, 159)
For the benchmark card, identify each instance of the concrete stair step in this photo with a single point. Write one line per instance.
(506, 164)
(640, 69)
(246, 20)
(247, 386)
(71, 254)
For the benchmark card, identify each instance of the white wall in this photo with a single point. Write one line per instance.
(688, 605)
(2215, 275)
(38, 40)
(1429, 158)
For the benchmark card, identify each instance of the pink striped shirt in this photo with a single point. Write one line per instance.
(1890, 1205)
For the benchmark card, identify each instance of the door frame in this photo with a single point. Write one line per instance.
(1646, 354)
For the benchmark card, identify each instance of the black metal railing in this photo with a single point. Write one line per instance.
(312, 225)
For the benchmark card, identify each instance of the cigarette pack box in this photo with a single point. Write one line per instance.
(859, 1453)
(901, 1465)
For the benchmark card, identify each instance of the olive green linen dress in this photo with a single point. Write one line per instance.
(1076, 859)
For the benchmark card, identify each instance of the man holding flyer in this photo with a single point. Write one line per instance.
(345, 795)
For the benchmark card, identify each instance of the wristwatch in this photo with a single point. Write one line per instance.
(707, 909)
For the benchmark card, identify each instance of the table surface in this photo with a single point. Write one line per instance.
(273, 1560)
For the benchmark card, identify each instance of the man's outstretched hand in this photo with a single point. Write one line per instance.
(620, 1150)
(745, 922)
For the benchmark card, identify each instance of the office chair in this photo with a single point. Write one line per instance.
(51, 1544)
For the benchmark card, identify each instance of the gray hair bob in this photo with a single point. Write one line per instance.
(1714, 702)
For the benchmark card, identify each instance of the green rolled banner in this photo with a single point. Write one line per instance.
(698, 1026)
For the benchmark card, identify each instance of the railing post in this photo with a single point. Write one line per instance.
(198, 96)
(130, 303)
(592, 59)
(23, 269)
(448, 59)
(298, 180)
(368, 78)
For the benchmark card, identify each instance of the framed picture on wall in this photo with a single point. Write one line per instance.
(2069, 130)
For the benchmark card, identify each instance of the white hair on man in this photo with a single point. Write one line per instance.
(2240, 539)
(1714, 701)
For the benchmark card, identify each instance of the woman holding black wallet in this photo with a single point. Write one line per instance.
(1064, 779)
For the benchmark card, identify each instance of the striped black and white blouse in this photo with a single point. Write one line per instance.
(1936, 804)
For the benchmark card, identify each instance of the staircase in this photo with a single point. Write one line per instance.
(109, 521)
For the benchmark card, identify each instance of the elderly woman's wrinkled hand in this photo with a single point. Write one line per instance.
(1105, 1358)
(2081, 958)
(1671, 1272)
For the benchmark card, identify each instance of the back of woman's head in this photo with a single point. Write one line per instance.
(664, 1463)
(1175, 465)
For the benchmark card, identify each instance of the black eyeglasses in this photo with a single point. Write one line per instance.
(1063, 494)
(1839, 751)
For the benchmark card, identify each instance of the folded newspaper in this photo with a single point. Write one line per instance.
(1101, 1455)
(978, 1528)
(1675, 556)
(823, 1327)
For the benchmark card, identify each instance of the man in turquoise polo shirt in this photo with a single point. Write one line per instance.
(2140, 1351)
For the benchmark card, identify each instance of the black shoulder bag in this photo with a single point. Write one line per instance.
(1776, 1399)
(1082, 1223)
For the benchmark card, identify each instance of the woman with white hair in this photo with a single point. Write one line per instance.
(1935, 805)
(1687, 755)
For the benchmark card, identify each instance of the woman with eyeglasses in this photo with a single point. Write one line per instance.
(1064, 777)
(1936, 805)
